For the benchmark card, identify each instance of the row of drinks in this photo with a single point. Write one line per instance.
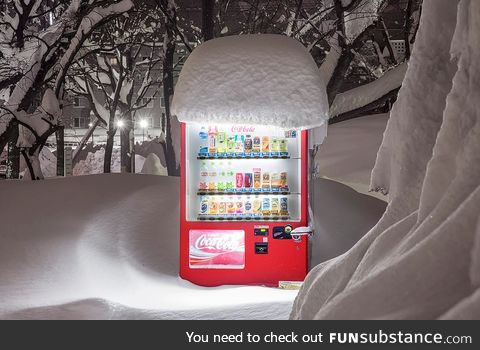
(223, 178)
(230, 206)
(219, 142)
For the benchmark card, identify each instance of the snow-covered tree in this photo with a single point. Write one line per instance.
(119, 75)
(39, 41)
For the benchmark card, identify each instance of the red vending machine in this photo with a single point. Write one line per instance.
(243, 205)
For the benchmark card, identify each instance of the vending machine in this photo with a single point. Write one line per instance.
(243, 205)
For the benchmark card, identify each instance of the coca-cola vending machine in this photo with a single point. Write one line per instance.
(243, 205)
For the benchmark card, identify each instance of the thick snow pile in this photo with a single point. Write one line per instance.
(153, 166)
(93, 164)
(112, 252)
(348, 153)
(421, 260)
(258, 79)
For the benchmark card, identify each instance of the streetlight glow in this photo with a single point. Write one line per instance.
(90, 125)
(120, 123)
(143, 123)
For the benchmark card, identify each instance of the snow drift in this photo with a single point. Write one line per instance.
(421, 260)
(257, 79)
(110, 252)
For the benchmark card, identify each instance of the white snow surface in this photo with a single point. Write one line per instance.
(153, 166)
(93, 164)
(421, 260)
(262, 79)
(111, 253)
(367, 93)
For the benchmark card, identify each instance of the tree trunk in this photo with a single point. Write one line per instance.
(126, 134)
(60, 136)
(168, 86)
(107, 161)
(207, 19)
(31, 157)
(13, 161)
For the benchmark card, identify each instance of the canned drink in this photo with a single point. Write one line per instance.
(266, 206)
(221, 142)
(257, 144)
(248, 206)
(239, 206)
(266, 180)
(203, 206)
(283, 145)
(257, 178)
(265, 144)
(275, 206)
(275, 180)
(283, 180)
(275, 145)
(248, 144)
(248, 180)
(239, 180)
(257, 206)
(213, 207)
(222, 208)
(230, 206)
(284, 206)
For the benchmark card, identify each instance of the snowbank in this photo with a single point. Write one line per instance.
(348, 153)
(256, 79)
(153, 166)
(111, 252)
(93, 164)
(420, 261)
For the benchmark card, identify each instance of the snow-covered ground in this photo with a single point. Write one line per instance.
(111, 249)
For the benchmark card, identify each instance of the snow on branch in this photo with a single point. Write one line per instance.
(365, 94)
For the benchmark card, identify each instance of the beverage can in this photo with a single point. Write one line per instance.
(212, 180)
(257, 144)
(265, 144)
(284, 206)
(231, 144)
(222, 207)
(248, 206)
(283, 180)
(213, 206)
(248, 180)
(239, 180)
(203, 206)
(248, 144)
(239, 206)
(266, 180)
(230, 206)
(257, 178)
(275, 206)
(283, 145)
(275, 180)
(221, 142)
(266, 206)
(275, 145)
(257, 206)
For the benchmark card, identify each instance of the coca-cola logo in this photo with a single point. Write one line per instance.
(217, 243)
(242, 128)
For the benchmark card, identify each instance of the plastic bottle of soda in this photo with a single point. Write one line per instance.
(212, 139)
(203, 135)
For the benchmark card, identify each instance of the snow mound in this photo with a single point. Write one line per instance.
(256, 79)
(93, 164)
(421, 260)
(111, 253)
(153, 166)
